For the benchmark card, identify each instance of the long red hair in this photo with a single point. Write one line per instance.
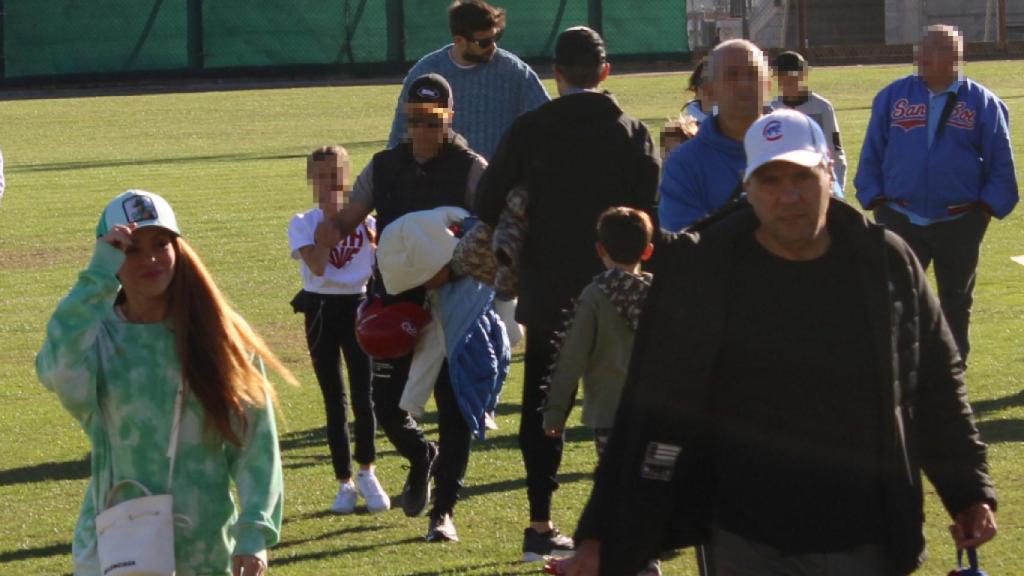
(216, 348)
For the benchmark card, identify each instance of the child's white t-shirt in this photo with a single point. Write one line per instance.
(350, 264)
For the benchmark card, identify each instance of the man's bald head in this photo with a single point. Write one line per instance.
(740, 79)
(728, 49)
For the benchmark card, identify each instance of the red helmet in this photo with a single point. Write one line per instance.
(388, 332)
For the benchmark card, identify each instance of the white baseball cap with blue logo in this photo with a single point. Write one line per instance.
(140, 208)
(787, 136)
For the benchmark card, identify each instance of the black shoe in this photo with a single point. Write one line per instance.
(538, 545)
(416, 492)
(442, 529)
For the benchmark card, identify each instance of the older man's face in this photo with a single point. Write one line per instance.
(790, 202)
(741, 82)
(939, 56)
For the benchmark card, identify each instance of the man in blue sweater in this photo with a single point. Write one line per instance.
(701, 175)
(492, 86)
(937, 166)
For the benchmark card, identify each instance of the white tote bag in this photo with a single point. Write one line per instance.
(136, 537)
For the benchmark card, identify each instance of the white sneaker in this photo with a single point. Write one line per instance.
(345, 501)
(369, 488)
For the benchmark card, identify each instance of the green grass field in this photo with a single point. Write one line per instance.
(232, 164)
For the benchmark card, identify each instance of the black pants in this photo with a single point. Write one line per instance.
(389, 377)
(954, 246)
(331, 333)
(541, 455)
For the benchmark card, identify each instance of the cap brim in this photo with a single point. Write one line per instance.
(805, 158)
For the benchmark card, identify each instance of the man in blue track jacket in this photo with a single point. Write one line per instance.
(937, 165)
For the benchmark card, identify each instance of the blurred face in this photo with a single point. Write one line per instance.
(428, 125)
(939, 57)
(480, 46)
(149, 264)
(790, 202)
(669, 142)
(741, 82)
(327, 177)
(791, 84)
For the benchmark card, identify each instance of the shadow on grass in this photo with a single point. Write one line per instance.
(70, 470)
(340, 551)
(62, 549)
(516, 484)
(328, 535)
(514, 567)
(1002, 431)
(997, 404)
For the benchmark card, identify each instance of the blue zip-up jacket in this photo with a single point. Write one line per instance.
(699, 177)
(969, 164)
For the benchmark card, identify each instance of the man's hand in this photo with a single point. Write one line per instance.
(326, 233)
(585, 562)
(248, 565)
(974, 526)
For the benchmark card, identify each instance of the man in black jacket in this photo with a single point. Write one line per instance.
(577, 156)
(792, 376)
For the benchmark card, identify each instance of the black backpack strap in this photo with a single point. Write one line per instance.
(735, 200)
(947, 110)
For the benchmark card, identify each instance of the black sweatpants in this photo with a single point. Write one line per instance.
(541, 455)
(954, 246)
(454, 436)
(331, 333)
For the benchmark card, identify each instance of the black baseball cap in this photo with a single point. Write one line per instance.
(580, 46)
(430, 89)
(790, 61)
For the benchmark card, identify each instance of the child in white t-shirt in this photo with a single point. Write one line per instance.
(334, 277)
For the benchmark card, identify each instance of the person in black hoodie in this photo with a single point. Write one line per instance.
(431, 167)
(577, 156)
(792, 377)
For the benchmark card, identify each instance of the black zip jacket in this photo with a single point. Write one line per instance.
(577, 156)
(654, 485)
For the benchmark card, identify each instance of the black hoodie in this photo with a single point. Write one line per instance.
(578, 155)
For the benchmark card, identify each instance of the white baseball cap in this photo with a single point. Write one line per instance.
(415, 247)
(785, 135)
(139, 207)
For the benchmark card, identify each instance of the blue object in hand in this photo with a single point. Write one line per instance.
(972, 560)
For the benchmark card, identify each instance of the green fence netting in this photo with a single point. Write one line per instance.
(55, 38)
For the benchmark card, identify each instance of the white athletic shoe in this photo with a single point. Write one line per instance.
(369, 488)
(345, 501)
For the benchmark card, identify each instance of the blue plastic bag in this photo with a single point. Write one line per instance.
(972, 560)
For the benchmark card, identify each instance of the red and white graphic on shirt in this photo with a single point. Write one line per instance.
(347, 249)
(909, 116)
(962, 117)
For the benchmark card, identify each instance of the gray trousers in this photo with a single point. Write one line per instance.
(954, 246)
(738, 556)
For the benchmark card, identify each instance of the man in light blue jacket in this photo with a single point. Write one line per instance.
(937, 165)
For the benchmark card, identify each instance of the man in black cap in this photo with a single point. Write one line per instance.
(577, 156)
(431, 167)
(791, 76)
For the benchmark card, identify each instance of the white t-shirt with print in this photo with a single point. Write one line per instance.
(350, 264)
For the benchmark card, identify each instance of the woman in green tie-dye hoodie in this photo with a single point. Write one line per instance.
(143, 317)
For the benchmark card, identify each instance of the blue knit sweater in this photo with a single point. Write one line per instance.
(487, 97)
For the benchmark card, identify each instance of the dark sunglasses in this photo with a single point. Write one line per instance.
(484, 43)
(426, 121)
